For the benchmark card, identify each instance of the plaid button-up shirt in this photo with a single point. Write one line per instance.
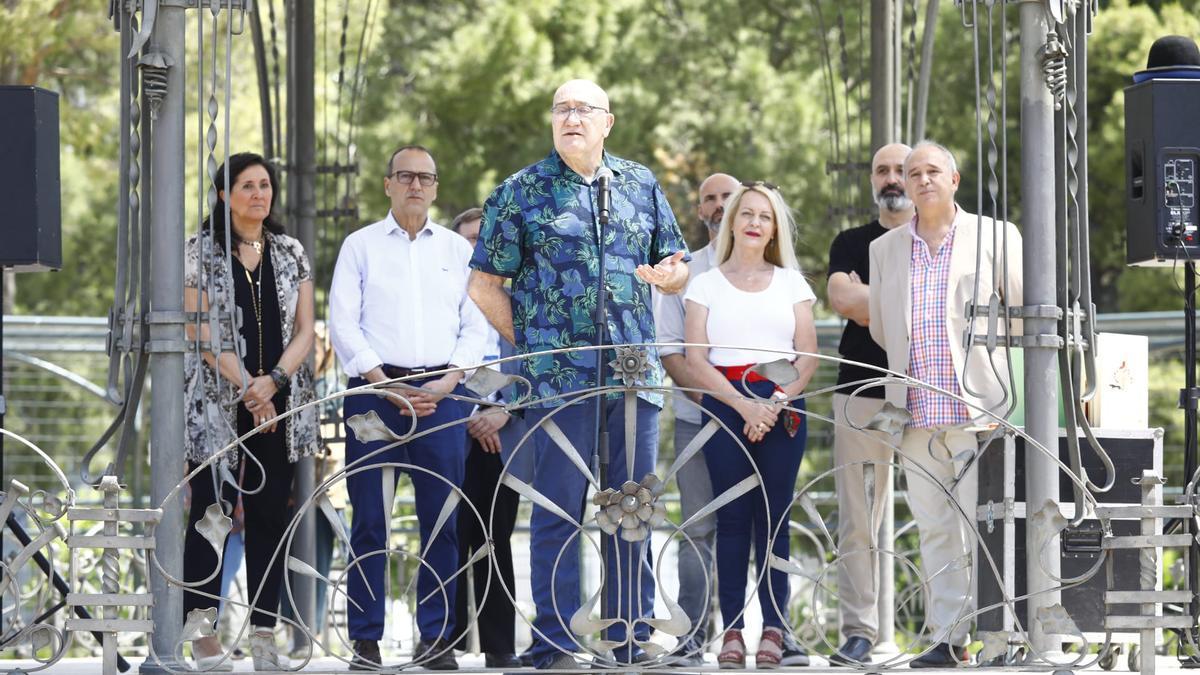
(929, 358)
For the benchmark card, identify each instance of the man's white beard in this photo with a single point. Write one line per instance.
(893, 203)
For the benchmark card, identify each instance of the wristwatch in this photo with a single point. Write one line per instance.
(280, 377)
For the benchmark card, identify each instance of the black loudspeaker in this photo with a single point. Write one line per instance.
(1162, 155)
(31, 224)
(1002, 493)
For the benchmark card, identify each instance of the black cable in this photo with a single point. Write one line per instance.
(1188, 400)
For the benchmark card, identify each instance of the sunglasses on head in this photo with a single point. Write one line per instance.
(760, 183)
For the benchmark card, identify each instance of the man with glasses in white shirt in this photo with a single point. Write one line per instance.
(398, 307)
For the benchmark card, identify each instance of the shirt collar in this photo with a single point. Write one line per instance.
(390, 225)
(912, 224)
(613, 163)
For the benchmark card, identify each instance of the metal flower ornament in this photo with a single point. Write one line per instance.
(631, 365)
(633, 511)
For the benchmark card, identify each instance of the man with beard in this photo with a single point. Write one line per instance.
(854, 447)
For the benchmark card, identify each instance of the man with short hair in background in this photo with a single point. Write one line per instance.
(854, 447)
(491, 430)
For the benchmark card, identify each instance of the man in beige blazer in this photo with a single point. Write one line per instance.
(923, 275)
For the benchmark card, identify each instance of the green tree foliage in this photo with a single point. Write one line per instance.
(65, 47)
(696, 87)
(759, 88)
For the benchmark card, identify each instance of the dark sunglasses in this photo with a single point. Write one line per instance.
(760, 183)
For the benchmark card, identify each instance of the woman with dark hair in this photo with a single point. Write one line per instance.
(246, 263)
(757, 307)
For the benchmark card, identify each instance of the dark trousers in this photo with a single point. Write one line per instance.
(496, 615)
(749, 518)
(438, 455)
(555, 542)
(266, 516)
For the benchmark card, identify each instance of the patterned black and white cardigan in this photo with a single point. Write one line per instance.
(211, 407)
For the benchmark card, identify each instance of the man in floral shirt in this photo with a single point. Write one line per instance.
(541, 228)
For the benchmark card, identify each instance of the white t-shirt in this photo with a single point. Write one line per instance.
(765, 319)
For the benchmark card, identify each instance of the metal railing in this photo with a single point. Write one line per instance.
(127, 535)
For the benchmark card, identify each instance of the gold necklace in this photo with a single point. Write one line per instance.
(257, 244)
(256, 301)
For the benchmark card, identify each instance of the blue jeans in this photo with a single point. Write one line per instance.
(777, 457)
(560, 480)
(444, 453)
(231, 562)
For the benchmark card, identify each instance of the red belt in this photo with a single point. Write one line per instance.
(791, 418)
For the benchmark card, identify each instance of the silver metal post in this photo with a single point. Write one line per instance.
(304, 208)
(883, 73)
(885, 638)
(166, 361)
(885, 121)
(925, 74)
(1041, 385)
(1148, 560)
(897, 26)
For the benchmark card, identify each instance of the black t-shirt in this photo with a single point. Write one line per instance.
(850, 252)
(246, 296)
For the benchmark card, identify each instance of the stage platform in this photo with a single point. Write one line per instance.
(474, 664)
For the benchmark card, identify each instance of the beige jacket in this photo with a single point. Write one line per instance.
(891, 306)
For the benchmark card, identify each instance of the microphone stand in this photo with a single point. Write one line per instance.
(1188, 399)
(600, 448)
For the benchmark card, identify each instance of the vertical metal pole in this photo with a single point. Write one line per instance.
(1041, 385)
(925, 74)
(1148, 563)
(166, 362)
(897, 70)
(1187, 401)
(885, 637)
(884, 130)
(304, 206)
(112, 574)
(883, 73)
(264, 82)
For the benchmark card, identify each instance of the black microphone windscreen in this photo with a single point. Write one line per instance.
(604, 174)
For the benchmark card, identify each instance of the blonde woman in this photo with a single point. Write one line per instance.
(755, 300)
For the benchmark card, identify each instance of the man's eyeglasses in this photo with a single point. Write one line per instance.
(760, 183)
(562, 111)
(406, 177)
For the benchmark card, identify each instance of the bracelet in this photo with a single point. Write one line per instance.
(280, 377)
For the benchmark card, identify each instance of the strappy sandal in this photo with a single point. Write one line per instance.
(733, 650)
(770, 649)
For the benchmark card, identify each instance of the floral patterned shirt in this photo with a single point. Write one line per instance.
(211, 405)
(540, 228)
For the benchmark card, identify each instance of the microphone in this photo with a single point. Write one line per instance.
(604, 177)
